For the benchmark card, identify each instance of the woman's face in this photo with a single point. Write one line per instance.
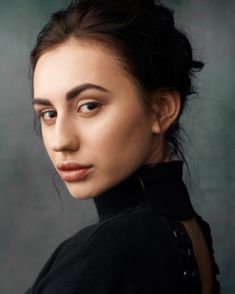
(91, 115)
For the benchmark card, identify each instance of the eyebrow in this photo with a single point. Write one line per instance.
(71, 94)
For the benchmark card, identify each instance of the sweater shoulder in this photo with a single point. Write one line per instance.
(132, 230)
(120, 246)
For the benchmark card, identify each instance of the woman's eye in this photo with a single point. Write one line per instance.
(89, 106)
(47, 115)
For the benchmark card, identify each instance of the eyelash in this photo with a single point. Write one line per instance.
(43, 112)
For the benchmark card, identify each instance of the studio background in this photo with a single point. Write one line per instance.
(33, 220)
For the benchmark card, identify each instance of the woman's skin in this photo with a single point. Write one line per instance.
(113, 133)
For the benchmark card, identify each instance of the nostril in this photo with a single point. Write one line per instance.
(65, 147)
(65, 144)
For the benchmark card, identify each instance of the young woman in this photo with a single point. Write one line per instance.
(111, 79)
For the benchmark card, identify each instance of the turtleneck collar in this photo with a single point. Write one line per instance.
(159, 186)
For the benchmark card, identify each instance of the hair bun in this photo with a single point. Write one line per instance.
(144, 3)
(154, 11)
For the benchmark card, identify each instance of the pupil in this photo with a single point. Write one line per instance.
(91, 106)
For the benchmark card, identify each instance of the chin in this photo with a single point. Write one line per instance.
(77, 191)
(77, 194)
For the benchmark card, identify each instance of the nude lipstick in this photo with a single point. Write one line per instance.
(72, 171)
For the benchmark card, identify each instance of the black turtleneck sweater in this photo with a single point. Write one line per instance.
(138, 245)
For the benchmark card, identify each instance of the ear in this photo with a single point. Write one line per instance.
(166, 107)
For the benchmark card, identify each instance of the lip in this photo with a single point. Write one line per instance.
(71, 165)
(74, 175)
(72, 171)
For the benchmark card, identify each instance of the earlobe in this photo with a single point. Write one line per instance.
(156, 127)
(166, 109)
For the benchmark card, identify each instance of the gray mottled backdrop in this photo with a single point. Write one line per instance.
(33, 221)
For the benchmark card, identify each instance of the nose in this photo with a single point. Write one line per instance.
(65, 137)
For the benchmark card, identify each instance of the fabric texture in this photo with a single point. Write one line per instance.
(137, 246)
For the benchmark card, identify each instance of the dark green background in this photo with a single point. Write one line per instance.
(32, 219)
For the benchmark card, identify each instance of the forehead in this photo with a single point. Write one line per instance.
(76, 61)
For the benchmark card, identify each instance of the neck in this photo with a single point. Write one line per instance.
(158, 186)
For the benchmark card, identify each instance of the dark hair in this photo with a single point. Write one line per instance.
(145, 39)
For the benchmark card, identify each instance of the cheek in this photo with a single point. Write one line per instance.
(120, 137)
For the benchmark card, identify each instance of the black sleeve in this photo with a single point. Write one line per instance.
(77, 271)
(96, 269)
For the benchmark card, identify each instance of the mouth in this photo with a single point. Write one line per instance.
(73, 172)
(74, 175)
